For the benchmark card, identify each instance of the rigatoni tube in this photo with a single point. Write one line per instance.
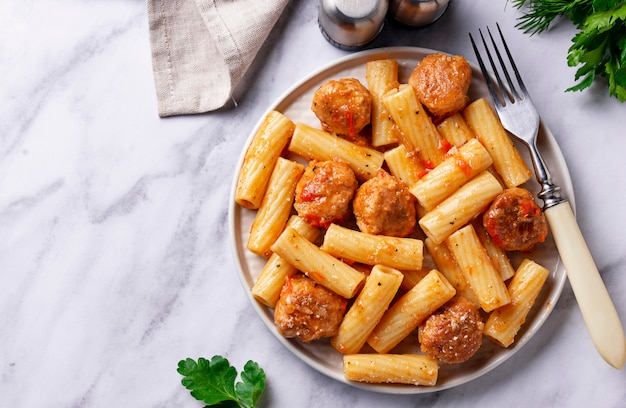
(478, 268)
(395, 252)
(410, 310)
(413, 369)
(260, 159)
(507, 160)
(504, 323)
(323, 268)
(275, 208)
(312, 143)
(458, 209)
(380, 288)
(266, 288)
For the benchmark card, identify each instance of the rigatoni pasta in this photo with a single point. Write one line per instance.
(323, 268)
(417, 127)
(380, 288)
(276, 206)
(404, 164)
(412, 277)
(261, 157)
(410, 310)
(394, 252)
(410, 369)
(381, 77)
(312, 143)
(456, 170)
(448, 266)
(266, 288)
(497, 255)
(455, 130)
(504, 323)
(478, 268)
(460, 207)
(507, 160)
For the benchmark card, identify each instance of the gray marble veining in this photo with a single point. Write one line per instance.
(115, 261)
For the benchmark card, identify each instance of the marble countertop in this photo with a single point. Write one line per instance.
(115, 261)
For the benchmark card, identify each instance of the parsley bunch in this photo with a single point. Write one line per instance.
(213, 382)
(598, 49)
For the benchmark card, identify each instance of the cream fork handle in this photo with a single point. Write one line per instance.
(593, 299)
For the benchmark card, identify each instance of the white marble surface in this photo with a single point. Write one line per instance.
(115, 260)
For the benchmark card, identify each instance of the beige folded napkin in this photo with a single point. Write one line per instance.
(202, 48)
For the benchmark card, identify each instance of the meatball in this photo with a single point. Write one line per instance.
(452, 334)
(343, 106)
(441, 83)
(514, 221)
(324, 193)
(383, 205)
(307, 310)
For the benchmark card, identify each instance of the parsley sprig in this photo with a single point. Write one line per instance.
(599, 47)
(213, 382)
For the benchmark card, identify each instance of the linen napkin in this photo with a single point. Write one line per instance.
(202, 48)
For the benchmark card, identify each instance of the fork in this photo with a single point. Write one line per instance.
(520, 118)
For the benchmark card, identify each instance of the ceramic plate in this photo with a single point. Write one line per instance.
(295, 104)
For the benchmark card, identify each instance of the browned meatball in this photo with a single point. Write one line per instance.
(452, 334)
(307, 310)
(383, 205)
(441, 83)
(343, 107)
(514, 220)
(324, 193)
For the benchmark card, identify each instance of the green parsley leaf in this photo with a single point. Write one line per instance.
(251, 389)
(213, 382)
(598, 49)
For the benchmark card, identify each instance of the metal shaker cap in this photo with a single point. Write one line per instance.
(349, 24)
(417, 12)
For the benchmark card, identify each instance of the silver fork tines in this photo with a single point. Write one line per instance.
(516, 109)
(512, 90)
